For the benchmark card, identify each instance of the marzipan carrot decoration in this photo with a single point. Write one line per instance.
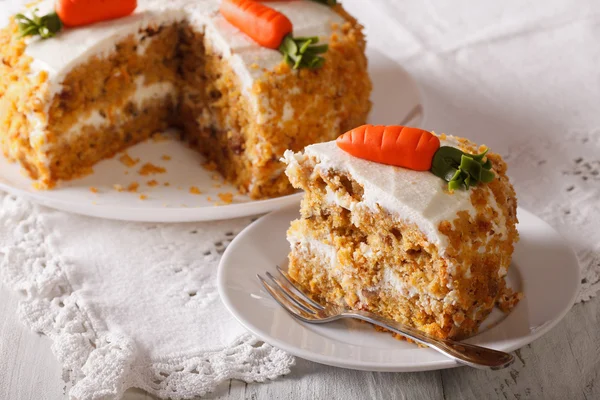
(85, 12)
(73, 13)
(419, 150)
(401, 146)
(263, 24)
(270, 28)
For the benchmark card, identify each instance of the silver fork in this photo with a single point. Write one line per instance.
(299, 305)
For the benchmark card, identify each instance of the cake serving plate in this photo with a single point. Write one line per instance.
(544, 268)
(396, 99)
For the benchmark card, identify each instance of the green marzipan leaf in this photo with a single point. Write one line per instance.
(302, 52)
(326, 2)
(45, 26)
(461, 169)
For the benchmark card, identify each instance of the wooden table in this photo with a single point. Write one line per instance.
(564, 364)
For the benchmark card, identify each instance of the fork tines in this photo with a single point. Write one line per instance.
(290, 297)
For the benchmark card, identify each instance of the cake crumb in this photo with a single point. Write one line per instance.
(151, 169)
(216, 177)
(93, 189)
(210, 166)
(118, 188)
(254, 66)
(152, 183)
(143, 197)
(195, 190)
(129, 162)
(166, 157)
(167, 184)
(226, 198)
(133, 187)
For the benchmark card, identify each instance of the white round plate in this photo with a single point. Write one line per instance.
(544, 268)
(395, 98)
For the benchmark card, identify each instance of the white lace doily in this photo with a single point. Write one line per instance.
(559, 180)
(129, 304)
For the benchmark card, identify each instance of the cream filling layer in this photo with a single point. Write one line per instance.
(143, 94)
(390, 281)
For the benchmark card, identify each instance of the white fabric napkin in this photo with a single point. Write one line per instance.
(130, 304)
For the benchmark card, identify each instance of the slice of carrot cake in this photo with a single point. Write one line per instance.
(78, 87)
(413, 226)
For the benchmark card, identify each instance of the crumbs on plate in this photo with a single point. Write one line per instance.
(126, 160)
(151, 169)
(133, 187)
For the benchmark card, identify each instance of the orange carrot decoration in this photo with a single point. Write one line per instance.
(263, 24)
(84, 12)
(73, 13)
(401, 146)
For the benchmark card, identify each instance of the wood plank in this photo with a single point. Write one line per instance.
(28, 369)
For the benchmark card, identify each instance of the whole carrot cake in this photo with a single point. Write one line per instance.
(413, 226)
(78, 86)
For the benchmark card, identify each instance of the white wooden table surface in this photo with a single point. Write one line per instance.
(564, 364)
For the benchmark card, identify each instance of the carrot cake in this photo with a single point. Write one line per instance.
(401, 222)
(80, 94)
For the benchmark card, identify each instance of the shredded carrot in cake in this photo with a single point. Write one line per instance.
(118, 187)
(166, 157)
(151, 169)
(167, 184)
(143, 197)
(93, 190)
(152, 183)
(194, 190)
(126, 160)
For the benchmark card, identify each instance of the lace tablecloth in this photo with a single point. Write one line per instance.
(133, 304)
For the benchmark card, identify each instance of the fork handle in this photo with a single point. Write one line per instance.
(464, 353)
